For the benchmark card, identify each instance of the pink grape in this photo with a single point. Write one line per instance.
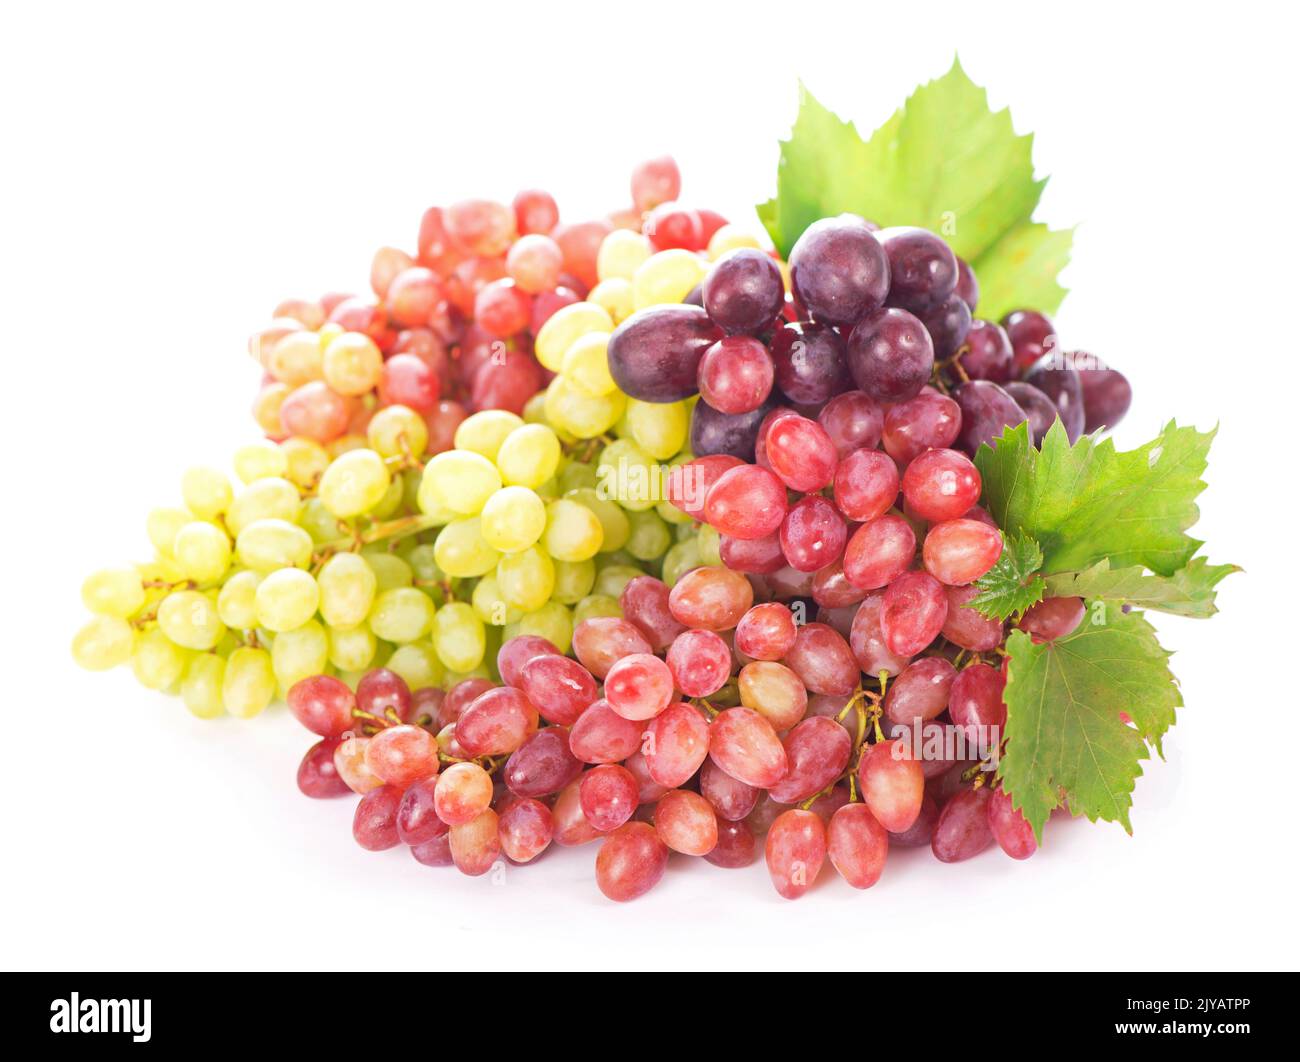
(963, 827)
(813, 534)
(700, 662)
(1009, 827)
(918, 834)
(317, 776)
(417, 814)
(758, 556)
(524, 829)
(975, 700)
(746, 502)
(817, 751)
(801, 453)
(462, 793)
(601, 735)
(957, 552)
(1052, 618)
(795, 850)
(823, 660)
(648, 789)
(602, 641)
(774, 691)
(559, 688)
(645, 604)
(912, 613)
(854, 421)
(745, 745)
(381, 691)
(374, 825)
(323, 705)
(731, 798)
(826, 804)
(655, 181)
(435, 853)
(736, 374)
(535, 211)
(571, 827)
(685, 822)
(879, 551)
(866, 485)
(542, 765)
(608, 794)
(941, 485)
(857, 845)
(402, 755)
(350, 762)
(475, 844)
(892, 783)
(831, 588)
(868, 641)
(630, 862)
(676, 742)
(408, 381)
(711, 599)
(518, 651)
(735, 847)
(964, 626)
(496, 723)
(461, 696)
(930, 420)
(687, 486)
(920, 691)
(766, 632)
(787, 582)
(639, 686)
(765, 812)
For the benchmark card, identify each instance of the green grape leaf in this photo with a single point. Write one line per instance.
(944, 161)
(1064, 732)
(1188, 592)
(1090, 502)
(1010, 586)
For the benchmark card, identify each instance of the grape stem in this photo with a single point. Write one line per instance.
(403, 527)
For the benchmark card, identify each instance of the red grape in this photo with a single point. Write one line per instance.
(795, 850)
(928, 420)
(745, 745)
(630, 862)
(1009, 827)
(774, 691)
(700, 663)
(462, 793)
(645, 604)
(601, 735)
(920, 691)
(912, 613)
(746, 502)
(963, 828)
(608, 795)
(318, 777)
(823, 660)
(639, 686)
(374, 825)
(766, 632)
(800, 453)
(602, 641)
(866, 485)
(417, 814)
(475, 845)
(853, 420)
(559, 688)
(731, 798)
(525, 829)
(497, 722)
(941, 485)
(323, 705)
(957, 552)
(402, 755)
(879, 552)
(735, 374)
(818, 750)
(710, 598)
(735, 847)
(857, 845)
(542, 765)
(892, 783)
(685, 822)
(964, 626)
(676, 742)
(1052, 618)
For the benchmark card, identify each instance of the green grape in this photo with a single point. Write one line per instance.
(596, 605)
(611, 580)
(114, 592)
(573, 531)
(585, 416)
(248, 685)
(206, 492)
(348, 585)
(418, 665)
(680, 559)
(614, 523)
(410, 480)
(203, 551)
(670, 514)
(458, 637)
(351, 648)
(491, 607)
(526, 578)
(459, 480)
(299, 654)
(528, 456)
(237, 601)
(576, 476)
(627, 475)
(484, 432)
(265, 545)
(462, 552)
(586, 365)
(423, 560)
(319, 522)
(658, 428)
(535, 409)
(162, 525)
(390, 570)
(259, 460)
(684, 532)
(620, 558)
(550, 490)
(709, 542)
(270, 498)
(104, 642)
(190, 618)
(201, 686)
(390, 502)
(401, 615)
(354, 483)
(305, 461)
(512, 519)
(552, 621)
(573, 581)
(158, 662)
(397, 431)
(285, 600)
(650, 536)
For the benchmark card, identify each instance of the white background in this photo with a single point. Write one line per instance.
(169, 176)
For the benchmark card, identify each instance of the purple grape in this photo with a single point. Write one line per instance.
(810, 363)
(727, 433)
(1040, 409)
(1106, 393)
(1055, 377)
(655, 355)
(963, 827)
(989, 355)
(543, 764)
(839, 271)
(744, 291)
(948, 324)
(985, 410)
(891, 355)
(922, 268)
(968, 287)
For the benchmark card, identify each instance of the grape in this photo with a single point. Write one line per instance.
(410, 382)
(608, 794)
(986, 410)
(671, 226)
(710, 599)
(263, 546)
(735, 846)
(103, 643)
(645, 604)
(461, 551)
(866, 485)
(948, 323)
(928, 420)
(1032, 335)
(912, 613)
(964, 626)
(317, 776)
(960, 551)
(248, 685)
(823, 660)
(528, 456)
(375, 823)
(801, 453)
(655, 181)
(655, 354)
(313, 410)
(1060, 382)
(381, 692)
(832, 590)
(941, 485)
(571, 825)
(744, 292)
(892, 784)
(435, 853)
(459, 480)
(480, 226)
(700, 663)
(350, 763)
(496, 722)
(879, 551)
(442, 422)
(156, 661)
(354, 483)
(517, 652)
(630, 862)
(838, 270)
(573, 532)
(918, 834)
(1009, 827)
(400, 615)
(744, 744)
(766, 632)
(810, 363)
(534, 262)
(462, 792)
(774, 691)
(402, 755)
(639, 686)
(688, 485)
(988, 354)
(1052, 618)
(1106, 395)
(475, 845)
(818, 750)
(525, 829)
(746, 502)
(601, 641)
(735, 375)
(189, 618)
(717, 433)
(730, 798)
(920, 691)
(512, 519)
(890, 355)
(417, 815)
(853, 421)
(648, 789)
(601, 735)
(962, 830)
(560, 688)
(857, 845)
(685, 822)
(758, 556)
(621, 254)
(526, 579)
(535, 211)
(975, 701)
(795, 851)
(922, 267)
(1039, 409)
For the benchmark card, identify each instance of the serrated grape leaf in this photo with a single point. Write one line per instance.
(944, 161)
(1064, 730)
(1010, 586)
(1090, 502)
(1188, 592)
